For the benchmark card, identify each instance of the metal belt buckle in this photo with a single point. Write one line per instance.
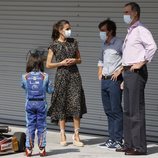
(105, 76)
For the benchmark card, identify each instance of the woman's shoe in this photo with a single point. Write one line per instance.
(64, 143)
(62, 134)
(77, 142)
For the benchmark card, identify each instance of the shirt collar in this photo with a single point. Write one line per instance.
(137, 23)
(112, 41)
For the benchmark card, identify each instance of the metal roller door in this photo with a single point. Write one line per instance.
(26, 24)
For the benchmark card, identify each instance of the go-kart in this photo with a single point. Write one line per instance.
(11, 143)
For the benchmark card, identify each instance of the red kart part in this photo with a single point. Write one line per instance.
(11, 143)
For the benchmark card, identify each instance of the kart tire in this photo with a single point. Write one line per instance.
(21, 138)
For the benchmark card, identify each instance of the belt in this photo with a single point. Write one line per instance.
(144, 67)
(126, 68)
(36, 99)
(106, 77)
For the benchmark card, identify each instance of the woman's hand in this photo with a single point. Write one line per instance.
(71, 61)
(65, 62)
(68, 62)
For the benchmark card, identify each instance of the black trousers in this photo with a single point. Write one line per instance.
(134, 108)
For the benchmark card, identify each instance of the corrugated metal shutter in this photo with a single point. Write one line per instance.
(26, 24)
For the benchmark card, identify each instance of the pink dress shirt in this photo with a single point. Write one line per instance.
(138, 45)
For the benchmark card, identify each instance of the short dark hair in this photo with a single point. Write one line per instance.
(134, 7)
(35, 62)
(59, 25)
(111, 26)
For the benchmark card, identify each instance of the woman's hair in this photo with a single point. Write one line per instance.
(58, 26)
(34, 62)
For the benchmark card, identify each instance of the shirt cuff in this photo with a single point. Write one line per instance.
(100, 63)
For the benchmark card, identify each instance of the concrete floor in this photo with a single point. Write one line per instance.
(90, 150)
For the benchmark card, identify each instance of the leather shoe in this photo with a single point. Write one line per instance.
(135, 152)
(123, 149)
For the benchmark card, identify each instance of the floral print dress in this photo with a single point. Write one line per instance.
(68, 99)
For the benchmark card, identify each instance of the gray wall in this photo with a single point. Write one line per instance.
(26, 24)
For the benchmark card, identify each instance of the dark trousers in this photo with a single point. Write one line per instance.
(112, 98)
(134, 109)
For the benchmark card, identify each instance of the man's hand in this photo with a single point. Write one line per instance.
(100, 72)
(137, 65)
(122, 85)
(99, 76)
(116, 74)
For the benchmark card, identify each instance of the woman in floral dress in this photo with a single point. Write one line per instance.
(68, 100)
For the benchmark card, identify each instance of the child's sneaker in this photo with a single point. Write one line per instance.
(42, 152)
(28, 152)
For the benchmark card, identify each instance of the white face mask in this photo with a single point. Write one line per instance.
(127, 19)
(67, 33)
(103, 36)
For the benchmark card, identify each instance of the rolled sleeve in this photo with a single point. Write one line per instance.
(149, 44)
(100, 63)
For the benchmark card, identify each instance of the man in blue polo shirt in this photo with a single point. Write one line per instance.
(109, 72)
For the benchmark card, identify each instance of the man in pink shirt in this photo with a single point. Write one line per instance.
(138, 50)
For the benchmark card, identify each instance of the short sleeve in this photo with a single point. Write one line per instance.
(53, 47)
